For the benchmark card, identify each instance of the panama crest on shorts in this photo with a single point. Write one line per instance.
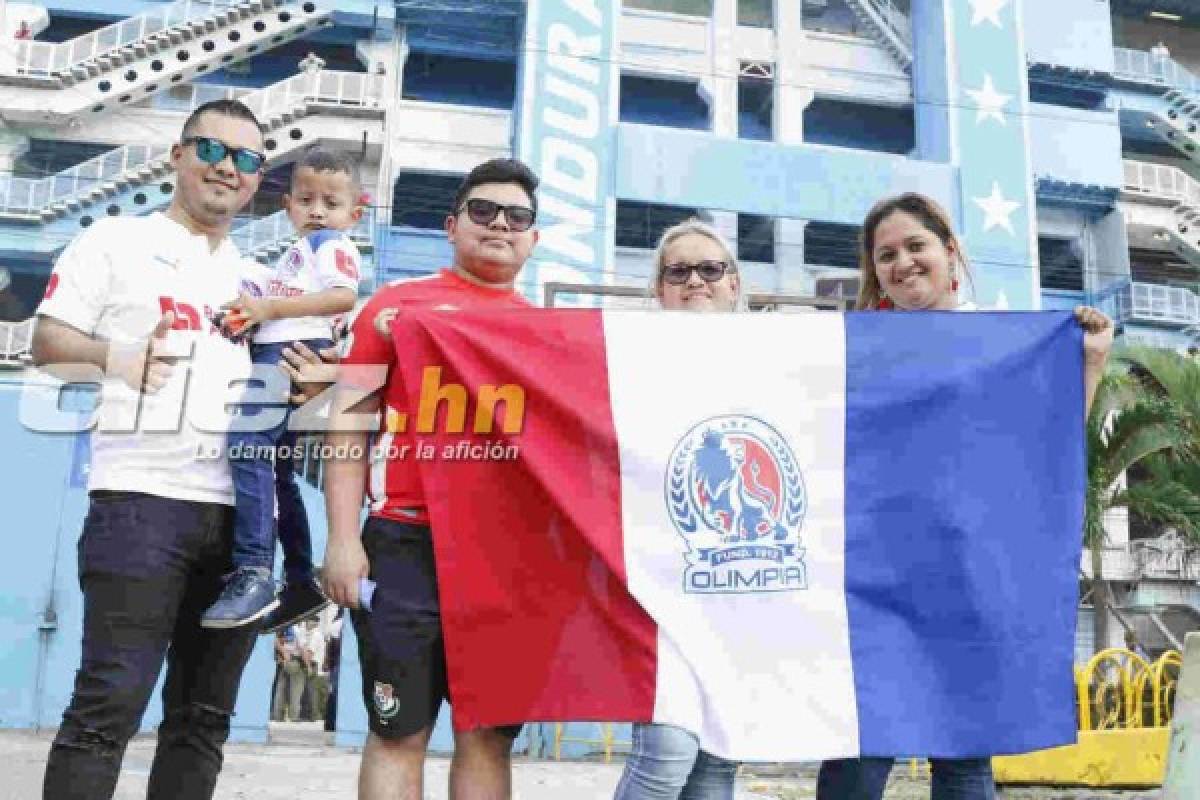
(736, 496)
(386, 704)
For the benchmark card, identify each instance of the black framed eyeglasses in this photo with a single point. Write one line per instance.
(213, 151)
(482, 212)
(709, 272)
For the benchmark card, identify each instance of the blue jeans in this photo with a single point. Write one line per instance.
(865, 779)
(667, 763)
(259, 479)
(149, 567)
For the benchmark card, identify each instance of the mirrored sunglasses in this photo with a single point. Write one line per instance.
(213, 151)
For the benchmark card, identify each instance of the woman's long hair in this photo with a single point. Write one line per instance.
(694, 225)
(931, 216)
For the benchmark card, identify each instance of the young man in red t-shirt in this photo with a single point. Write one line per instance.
(400, 639)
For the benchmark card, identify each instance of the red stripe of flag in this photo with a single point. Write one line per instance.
(537, 619)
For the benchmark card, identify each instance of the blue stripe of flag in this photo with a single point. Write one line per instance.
(965, 478)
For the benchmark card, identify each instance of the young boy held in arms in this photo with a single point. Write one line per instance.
(297, 301)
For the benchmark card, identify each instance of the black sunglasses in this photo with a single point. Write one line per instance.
(482, 212)
(213, 151)
(709, 272)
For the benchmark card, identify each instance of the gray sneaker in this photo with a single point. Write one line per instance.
(249, 594)
(297, 602)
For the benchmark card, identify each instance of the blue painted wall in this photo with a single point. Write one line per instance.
(569, 89)
(801, 181)
(1078, 146)
(1070, 33)
(43, 512)
(45, 501)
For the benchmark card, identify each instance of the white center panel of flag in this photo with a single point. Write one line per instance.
(731, 433)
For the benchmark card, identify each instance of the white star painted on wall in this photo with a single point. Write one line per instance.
(996, 210)
(987, 9)
(989, 101)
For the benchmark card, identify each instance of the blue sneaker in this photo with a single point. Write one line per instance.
(249, 594)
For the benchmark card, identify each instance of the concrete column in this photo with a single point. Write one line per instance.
(726, 224)
(1182, 779)
(721, 84)
(793, 96)
(385, 58)
(794, 275)
(13, 145)
(1107, 259)
(933, 81)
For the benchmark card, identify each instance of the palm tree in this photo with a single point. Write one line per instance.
(1171, 375)
(1129, 423)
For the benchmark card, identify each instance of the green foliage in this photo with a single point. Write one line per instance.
(1146, 413)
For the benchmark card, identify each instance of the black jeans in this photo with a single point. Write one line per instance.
(149, 567)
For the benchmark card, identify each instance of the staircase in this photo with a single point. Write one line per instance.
(123, 63)
(1175, 190)
(137, 178)
(889, 26)
(1177, 121)
(1182, 120)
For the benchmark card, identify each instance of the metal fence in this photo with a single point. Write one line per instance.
(32, 194)
(16, 342)
(344, 89)
(331, 87)
(1150, 302)
(46, 58)
(1161, 181)
(1140, 66)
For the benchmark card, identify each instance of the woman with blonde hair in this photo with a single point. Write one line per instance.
(911, 260)
(694, 270)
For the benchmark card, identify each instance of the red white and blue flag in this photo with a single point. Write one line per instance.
(799, 536)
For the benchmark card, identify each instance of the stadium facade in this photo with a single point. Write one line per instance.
(1063, 136)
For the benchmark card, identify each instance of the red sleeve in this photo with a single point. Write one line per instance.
(367, 348)
(367, 345)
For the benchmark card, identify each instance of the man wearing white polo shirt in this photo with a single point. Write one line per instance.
(132, 296)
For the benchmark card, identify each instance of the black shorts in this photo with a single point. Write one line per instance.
(400, 645)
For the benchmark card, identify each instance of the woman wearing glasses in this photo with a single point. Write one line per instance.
(912, 260)
(694, 270)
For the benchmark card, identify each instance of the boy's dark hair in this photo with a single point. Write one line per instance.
(322, 159)
(228, 108)
(498, 170)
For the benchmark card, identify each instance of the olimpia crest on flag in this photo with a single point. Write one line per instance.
(736, 495)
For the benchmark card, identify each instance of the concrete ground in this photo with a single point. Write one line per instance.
(297, 766)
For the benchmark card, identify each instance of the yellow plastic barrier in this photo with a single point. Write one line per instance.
(1134, 757)
(1124, 706)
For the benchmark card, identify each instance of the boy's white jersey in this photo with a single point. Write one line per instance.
(321, 260)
